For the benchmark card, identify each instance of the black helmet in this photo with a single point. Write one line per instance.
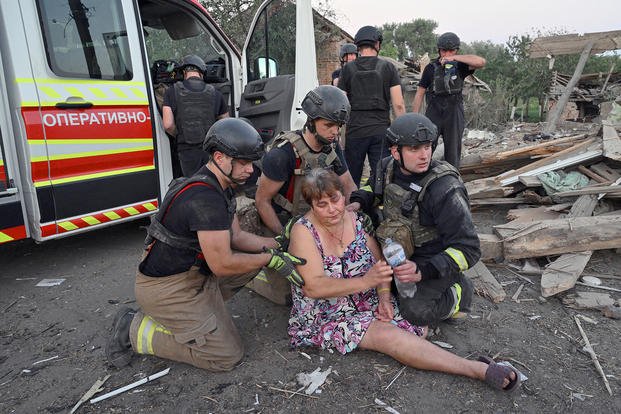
(368, 35)
(235, 138)
(327, 102)
(411, 129)
(193, 60)
(347, 48)
(448, 41)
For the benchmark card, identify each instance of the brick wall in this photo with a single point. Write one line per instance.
(329, 38)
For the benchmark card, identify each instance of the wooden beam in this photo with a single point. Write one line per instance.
(491, 247)
(570, 44)
(555, 115)
(552, 237)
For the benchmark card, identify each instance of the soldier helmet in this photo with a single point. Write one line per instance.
(235, 138)
(195, 61)
(367, 36)
(448, 41)
(411, 129)
(346, 49)
(327, 102)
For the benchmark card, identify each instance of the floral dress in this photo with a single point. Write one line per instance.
(341, 322)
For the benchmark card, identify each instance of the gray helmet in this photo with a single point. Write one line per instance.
(411, 129)
(327, 102)
(193, 60)
(346, 49)
(367, 36)
(448, 41)
(235, 138)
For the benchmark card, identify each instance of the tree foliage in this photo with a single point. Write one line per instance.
(406, 40)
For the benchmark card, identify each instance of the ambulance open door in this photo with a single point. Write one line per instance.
(278, 66)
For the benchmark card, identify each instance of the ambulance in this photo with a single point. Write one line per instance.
(81, 136)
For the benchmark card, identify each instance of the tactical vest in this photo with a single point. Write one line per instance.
(446, 79)
(195, 112)
(401, 219)
(305, 160)
(367, 87)
(157, 231)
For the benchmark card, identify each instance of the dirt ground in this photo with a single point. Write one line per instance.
(66, 327)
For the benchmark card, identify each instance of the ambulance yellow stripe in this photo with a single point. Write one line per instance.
(89, 154)
(67, 225)
(128, 102)
(131, 211)
(92, 176)
(74, 91)
(89, 141)
(149, 206)
(111, 215)
(78, 81)
(91, 220)
(5, 238)
(97, 92)
(118, 92)
(138, 92)
(50, 92)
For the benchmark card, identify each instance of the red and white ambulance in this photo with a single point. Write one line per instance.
(81, 137)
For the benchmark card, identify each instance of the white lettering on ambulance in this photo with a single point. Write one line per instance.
(94, 118)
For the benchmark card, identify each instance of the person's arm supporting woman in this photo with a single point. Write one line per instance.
(320, 286)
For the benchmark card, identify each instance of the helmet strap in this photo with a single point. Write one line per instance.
(310, 125)
(401, 161)
(228, 176)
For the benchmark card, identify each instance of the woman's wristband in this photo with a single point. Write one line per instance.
(384, 289)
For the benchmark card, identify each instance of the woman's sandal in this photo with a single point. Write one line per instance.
(496, 375)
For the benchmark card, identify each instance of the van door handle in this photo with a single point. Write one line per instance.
(73, 102)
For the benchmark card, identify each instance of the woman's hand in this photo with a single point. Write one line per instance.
(385, 311)
(407, 272)
(378, 274)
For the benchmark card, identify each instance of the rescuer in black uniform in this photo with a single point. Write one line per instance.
(442, 82)
(190, 108)
(347, 53)
(426, 209)
(197, 258)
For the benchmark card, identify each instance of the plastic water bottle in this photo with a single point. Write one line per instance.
(395, 255)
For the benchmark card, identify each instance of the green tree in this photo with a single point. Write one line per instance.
(410, 39)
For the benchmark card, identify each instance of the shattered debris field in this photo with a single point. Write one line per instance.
(536, 306)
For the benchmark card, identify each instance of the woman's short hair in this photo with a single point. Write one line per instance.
(319, 182)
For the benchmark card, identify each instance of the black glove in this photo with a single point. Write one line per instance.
(285, 235)
(284, 264)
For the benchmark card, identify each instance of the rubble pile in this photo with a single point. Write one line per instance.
(564, 194)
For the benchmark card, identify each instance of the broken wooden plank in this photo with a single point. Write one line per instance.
(527, 215)
(596, 177)
(610, 189)
(589, 300)
(551, 237)
(485, 284)
(605, 171)
(562, 274)
(491, 247)
(530, 181)
(497, 201)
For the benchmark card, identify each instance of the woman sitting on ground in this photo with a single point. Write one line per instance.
(346, 301)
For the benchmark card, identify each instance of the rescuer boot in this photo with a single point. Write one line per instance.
(119, 348)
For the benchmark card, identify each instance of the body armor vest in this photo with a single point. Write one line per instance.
(306, 160)
(157, 231)
(401, 220)
(446, 79)
(195, 112)
(367, 88)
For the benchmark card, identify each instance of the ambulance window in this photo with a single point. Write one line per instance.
(172, 36)
(271, 50)
(86, 38)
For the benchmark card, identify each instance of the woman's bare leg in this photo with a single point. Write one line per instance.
(417, 352)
